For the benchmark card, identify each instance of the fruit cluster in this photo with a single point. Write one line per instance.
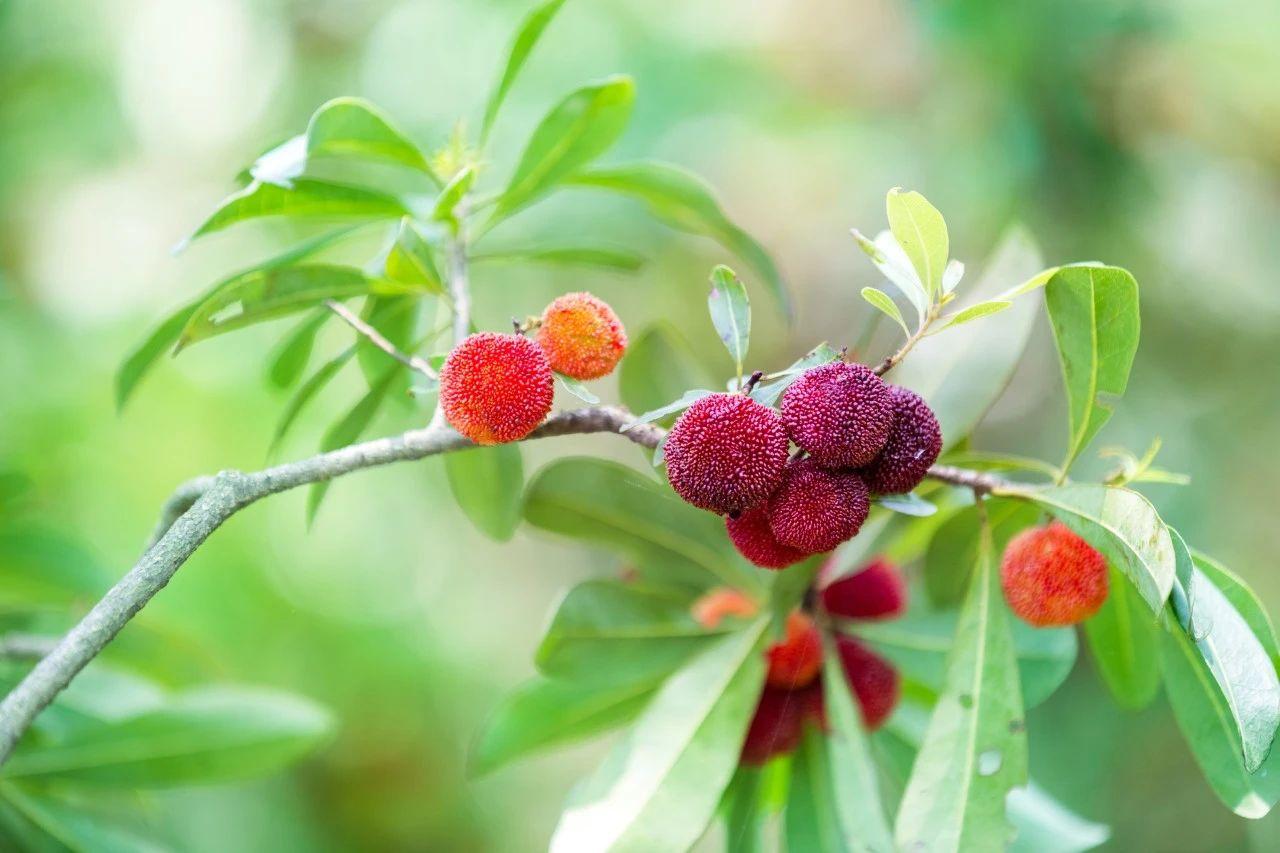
(496, 388)
(857, 437)
(792, 696)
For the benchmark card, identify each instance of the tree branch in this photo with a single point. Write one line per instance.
(413, 362)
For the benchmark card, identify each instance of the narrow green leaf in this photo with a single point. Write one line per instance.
(658, 367)
(294, 351)
(975, 749)
(659, 787)
(686, 400)
(396, 318)
(1122, 525)
(1094, 315)
(811, 818)
(453, 192)
(975, 312)
(921, 231)
(545, 713)
(1122, 638)
(409, 260)
(351, 127)
(684, 201)
(881, 301)
(348, 429)
(314, 384)
(487, 483)
(744, 812)
(576, 131)
(34, 819)
(307, 198)
(577, 389)
(586, 256)
(527, 36)
(731, 314)
(208, 735)
(894, 265)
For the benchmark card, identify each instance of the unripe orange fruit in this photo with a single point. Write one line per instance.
(581, 336)
(1053, 577)
(496, 388)
(720, 602)
(796, 661)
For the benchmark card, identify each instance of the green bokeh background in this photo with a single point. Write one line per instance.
(1143, 134)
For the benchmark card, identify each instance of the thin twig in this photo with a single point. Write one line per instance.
(413, 362)
(891, 361)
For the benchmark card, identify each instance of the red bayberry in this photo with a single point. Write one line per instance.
(815, 509)
(777, 725)
(796, 660)
(876, 591)
(496, 388)
(1053, 577)
(873, 680)
(839, 413)
(720, 602)
(726, 453)
(582, 336)
(913, 446)
(753, 537)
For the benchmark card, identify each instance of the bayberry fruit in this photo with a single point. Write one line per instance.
(715, 605)
(913, 446)
(1052, 577)
(815, 509)
(839, 413)
(582, 336)
(778, 722)
(872, 679)
(876, 591)
(753, 537)
(796, 661)
(496, 388)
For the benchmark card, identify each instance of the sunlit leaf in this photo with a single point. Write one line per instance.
(488, 484)
(1243, 599)
(881, 301)
(771, 389)
(922, 233)
(351, 127)
(306, 198)
(730, 314)
(908, 504)
(459, 185)
(1046, 826)
(975, 312)
(409, 260)
(894, 265)
(527, 36)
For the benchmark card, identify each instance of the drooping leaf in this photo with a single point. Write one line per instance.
(659, 367)
(37, 820)
(488, 483)
(293, 353)
(1243, 599)
(659, 787)
(881, 302)
(314, 384)
(605, 257)
(687, 399)
(576, 131)
(1122, 638)
(1046, 826)
(351, 127)
(544, 713)
(578, 389)
(348, 428)
(1094, 315)
(975, 749)
(1122, 525)
(307, 198)
(976, 312)
(206, 735)
(730, 314)
(684, 201)
(527, 36)
(922, 233)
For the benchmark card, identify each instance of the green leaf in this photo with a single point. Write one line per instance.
(453, 192)
(1243, 599)
(730, 314)
(526, 37)
(975, 312)
(294, 351)
(42, 820)
(396, 318)
(1122, 638)
(576, 131)
(880, 300)
(922, 233)
(348, 429)
(659, 787)
(744, 812)
(262, 295)
(1122, 525)
(767, 393)
(314, 384)
(812, 816)
(963, 372)
(975, 749)
(894, 265)
(204, 736)
(42, 567)
(687, 399)
(350, 127)
(614, 632)
(1046, 826)
(577, 389)
(487, 483)
(307, 198)
(604, 257)
(684, 201)
(409, 261)
(1094, 315)
(658, 367)
(544, 713)
(908, 504)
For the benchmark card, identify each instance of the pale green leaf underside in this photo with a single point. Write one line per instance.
(922, 233)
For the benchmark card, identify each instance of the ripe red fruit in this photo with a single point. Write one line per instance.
(582, 336)
(726, 453)
(753, 537)
(720, 602)
(913, 446)
(778, 723)
(815, 509)
(796, 661)
(873, 680)
(876, 591)
(496, 388)
(1053, 577)
(839, 413)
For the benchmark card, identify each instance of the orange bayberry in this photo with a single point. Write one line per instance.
(873, 681)
(815, 509)
(876, 591)
(754, 539)
(1053, 577)
(726, 453)
(720, 602)
(581, 336)
(796, 660)
(496, 388)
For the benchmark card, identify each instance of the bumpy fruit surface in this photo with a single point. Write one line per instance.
(717, 604)
(1052, 577)
(914, 444)
(876, 591)
(796, 661)
(726, 453)
(753, 537)
(815, 509)
(839, 413)
(496, 388)
(778, 723)
(581, 336)
(873, 680)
